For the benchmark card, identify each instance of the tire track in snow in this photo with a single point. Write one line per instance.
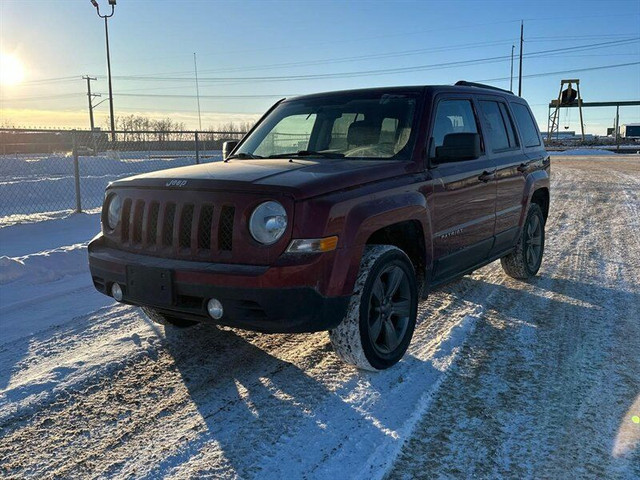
(543, 386)
(224, 378)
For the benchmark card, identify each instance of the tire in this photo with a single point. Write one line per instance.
(166, 320)
(381, 317)
(524, 262)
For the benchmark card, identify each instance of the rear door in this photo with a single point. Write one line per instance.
(464, 194)
(511, 167)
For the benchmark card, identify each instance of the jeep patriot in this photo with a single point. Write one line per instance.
(337, 211)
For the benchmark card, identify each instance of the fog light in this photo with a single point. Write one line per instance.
(116, 292)
(215, 309)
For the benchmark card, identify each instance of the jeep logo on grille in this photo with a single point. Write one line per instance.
(176, 183)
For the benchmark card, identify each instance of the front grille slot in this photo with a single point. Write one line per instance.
(152, 231)
(124, 223)
(167, 226)
(204, 227)
(196, 226)
(225, 228)
(138, 214)
(186, 222)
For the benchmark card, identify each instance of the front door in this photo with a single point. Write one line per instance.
(464, 194)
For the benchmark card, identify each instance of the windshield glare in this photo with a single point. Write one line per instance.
(377, 127)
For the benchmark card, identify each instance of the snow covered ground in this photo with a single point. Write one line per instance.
(503, 379)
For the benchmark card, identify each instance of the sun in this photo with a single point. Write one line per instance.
(11, 71)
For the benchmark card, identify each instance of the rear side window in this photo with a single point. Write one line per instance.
(497, 131)
(453, 116)
(526, 125)
(511, 129)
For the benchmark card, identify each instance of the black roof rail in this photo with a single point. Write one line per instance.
(464, 83)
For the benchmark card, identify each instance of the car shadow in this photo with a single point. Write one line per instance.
(250, 400)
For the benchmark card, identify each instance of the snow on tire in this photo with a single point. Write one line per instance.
(524, 262)
(381, 315)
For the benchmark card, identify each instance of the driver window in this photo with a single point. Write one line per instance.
(453, 116)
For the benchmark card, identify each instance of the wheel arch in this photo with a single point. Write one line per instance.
(408, 236)
(541, 197)
(386, 220)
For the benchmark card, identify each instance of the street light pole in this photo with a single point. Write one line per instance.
(106, 33)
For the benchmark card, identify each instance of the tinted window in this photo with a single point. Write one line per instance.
(497, 132)
(528, 129)
(511, 129)
(453, 116)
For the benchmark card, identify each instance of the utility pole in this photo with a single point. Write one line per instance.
(520, 73)
(513, 47)
(90, 97)
(195, 66)
(112, 3)
(113, 120)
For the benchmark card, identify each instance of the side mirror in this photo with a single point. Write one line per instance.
(227, 148)
(459, 146)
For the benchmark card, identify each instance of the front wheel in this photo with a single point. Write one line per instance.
(381, 316)
(524, 262)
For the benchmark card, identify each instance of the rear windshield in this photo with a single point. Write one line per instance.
(376, 127)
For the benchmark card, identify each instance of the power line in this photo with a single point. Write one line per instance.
(161, 77)
(389, 70)
(533, 75)
(558, 72)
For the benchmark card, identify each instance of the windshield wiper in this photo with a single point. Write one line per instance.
(308, 153)
(243, 156)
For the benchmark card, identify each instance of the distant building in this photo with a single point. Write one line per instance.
(630, 130)
(568, 135)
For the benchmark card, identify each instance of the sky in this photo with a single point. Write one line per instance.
(250, 54)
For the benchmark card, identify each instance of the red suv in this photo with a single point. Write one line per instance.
(337, 212)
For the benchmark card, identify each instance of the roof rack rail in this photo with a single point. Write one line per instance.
(481, 85)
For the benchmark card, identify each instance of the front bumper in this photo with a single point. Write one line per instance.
(261, 298)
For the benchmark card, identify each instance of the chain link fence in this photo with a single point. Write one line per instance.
(51, 173)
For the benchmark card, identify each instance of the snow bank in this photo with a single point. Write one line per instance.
(48, 234)
(46, 266)
(585, 151)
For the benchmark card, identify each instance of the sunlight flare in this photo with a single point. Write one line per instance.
(11, 70)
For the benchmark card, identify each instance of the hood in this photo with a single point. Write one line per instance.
(301, 178)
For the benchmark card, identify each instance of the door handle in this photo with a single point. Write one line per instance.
(486, 176)
(523, 167)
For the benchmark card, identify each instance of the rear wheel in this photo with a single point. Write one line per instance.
(524, 262)
(381, 316)
(166, 320)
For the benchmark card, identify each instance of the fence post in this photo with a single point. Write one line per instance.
(76, 171)
(197, 150)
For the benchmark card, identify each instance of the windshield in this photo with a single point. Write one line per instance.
(353, 126)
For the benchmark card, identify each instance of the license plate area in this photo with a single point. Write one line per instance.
(150, 285)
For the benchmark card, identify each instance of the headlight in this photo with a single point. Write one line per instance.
(113, 211)
(268, 222)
